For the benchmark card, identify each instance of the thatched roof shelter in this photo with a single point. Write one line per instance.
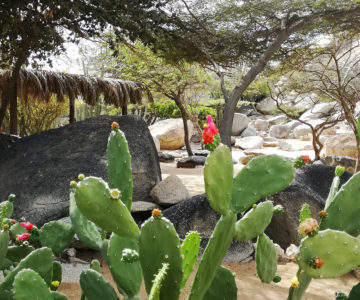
(41, 85)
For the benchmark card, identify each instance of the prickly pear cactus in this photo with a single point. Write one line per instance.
(17, 253)
(56, 235)
(342, 213)
(219, 181)
(254, 222)
(86, 230)
(4, 241)
(40, 260)
(104, 207)
(355, 291)
(119, 165)
(128, 276)
(28, 285)
(157, 282)
(213, 255)
(56, 275)
(158, 244)
(266, 258)
(189, 251)
(7, 206)
(95, 286)
(223, 286)
(261, 177)
(339, 251)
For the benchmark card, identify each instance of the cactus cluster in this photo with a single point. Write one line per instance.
(330, 249)
(155, 252)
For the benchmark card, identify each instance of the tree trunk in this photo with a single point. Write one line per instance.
(186, 129)
(13, 111)
(72, 111)
(124, 110)
(10, 93)
(230, 105)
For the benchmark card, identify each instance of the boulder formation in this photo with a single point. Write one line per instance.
(170, 133)
(38, 168)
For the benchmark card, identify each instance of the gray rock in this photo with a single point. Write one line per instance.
(166, 157)
(266, 106)
(311, 185)
(341, 144)
(191, 162)
(319, 111)
(279, 131)
(347, 162)
(277, 120)
(261, 125)
(293, 124)
(38, 168)
(240, 122)
(202, 153)
(196, 214)
(284, 145)
(251, 142)
(6, 140)
(250, 131)
(169, 191)
(142, 206)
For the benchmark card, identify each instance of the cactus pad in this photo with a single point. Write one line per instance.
(95, 286)
(355, 291)
(343, 212)
(261, 177)
(119, 166)
(28, 285)
(189, 251)
(223, 286)
(213, 255)
(219, 181)
(17, 253)
(56, 235)
(266, 258)
(339, 251)
(128, 276)
(158, 244)
(40, 261)
(254, 222)
(4, 242)
(93, 198)
(86, 230)
(157, 282)
(56, 273)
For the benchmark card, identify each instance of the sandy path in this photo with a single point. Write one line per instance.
(250, 287)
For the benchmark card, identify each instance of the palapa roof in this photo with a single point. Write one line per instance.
(41, 85)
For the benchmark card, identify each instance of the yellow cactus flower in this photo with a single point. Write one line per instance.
(73, 183)
(55, 283)
(294, 282)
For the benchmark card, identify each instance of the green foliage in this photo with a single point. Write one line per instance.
(266, 258)
(56, 235)
(29, 285)
(293, 111)
(189, 251)
(223, 286)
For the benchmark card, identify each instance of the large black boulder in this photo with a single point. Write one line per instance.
(311, 185)
(195, 214)
(38, 168)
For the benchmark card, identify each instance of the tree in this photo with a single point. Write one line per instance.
(176, 82)
(332, 72)
(252, 33)
(31, 30)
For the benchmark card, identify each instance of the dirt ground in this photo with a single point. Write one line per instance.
(249, 286)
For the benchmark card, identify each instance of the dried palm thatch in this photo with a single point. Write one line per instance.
(41, 85)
